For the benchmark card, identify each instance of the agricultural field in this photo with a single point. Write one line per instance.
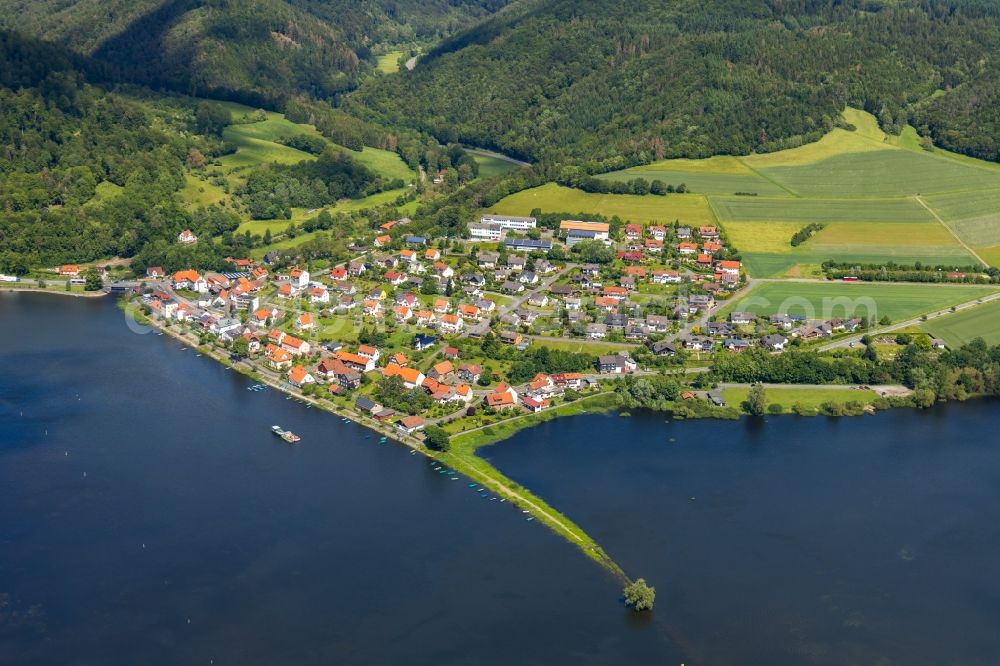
(974, 217)
(957, 329)
(691, 209)
(866, 186)
(825, 300)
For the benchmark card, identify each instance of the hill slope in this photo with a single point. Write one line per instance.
(259, 48)
(654, 78)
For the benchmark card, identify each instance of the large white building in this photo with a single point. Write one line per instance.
(485, 232)
(509, 221)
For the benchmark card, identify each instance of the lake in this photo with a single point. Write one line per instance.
(147, 515)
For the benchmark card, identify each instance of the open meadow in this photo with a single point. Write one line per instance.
(825, 300)
(957, 329)
(691, 209)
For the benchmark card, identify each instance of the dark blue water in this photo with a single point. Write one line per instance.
(871, 540)
(148, 516)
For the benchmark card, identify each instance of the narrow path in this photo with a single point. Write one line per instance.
(951, 231)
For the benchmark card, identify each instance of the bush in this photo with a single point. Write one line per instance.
(775, 408)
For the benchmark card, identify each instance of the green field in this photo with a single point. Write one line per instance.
(804, 211)
(690, 209)
(863, 184)
(388, 63)
(806, 396)
(957, 329)
(491, 165)
(579, 347)
(825, 300)
(974, 217)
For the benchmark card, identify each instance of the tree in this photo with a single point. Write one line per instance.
(756, 402)
(267, 236)
(639, 596)
(241, 347)
(436, 438)
(92, 280)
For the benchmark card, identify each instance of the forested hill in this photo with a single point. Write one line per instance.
(257, 50)
(646, 79)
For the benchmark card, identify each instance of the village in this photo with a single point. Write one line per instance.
(458, 334)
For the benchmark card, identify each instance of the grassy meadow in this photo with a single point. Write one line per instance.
(824, 300)
(957, 329)
(690, 209)
(806, 396)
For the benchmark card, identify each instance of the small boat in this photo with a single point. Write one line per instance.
(286, 435)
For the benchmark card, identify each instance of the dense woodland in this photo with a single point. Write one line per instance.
(624, 83)
(257, 51)
(581, 86)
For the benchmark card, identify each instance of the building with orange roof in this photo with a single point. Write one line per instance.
(408, 255)
(71, 270)
(276, 357)
(355, 361)
(708, 232)
(369, 351)
(468, 311)
(729, 266)
(410, 424)
(577, 225)
(687, 248)
(442, 305)
(400, 359)
(412, 378)
(299, 376)
(403, 313)
(425, 317)
(432, 254)
(450, 323)
(285, 290)
(305, 322)
(705, 259)
(710, 248)
(382, 241)
(442, 369)
(296, 346)
(504, 397)
(191, 280)
(607, 303)
(186, 237)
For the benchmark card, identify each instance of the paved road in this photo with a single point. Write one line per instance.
(916, 321)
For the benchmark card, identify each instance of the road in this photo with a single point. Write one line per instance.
(915, 321)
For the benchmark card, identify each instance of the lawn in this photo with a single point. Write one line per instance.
(580, 347)
(826, 300)
(690, 209)
(957, 329)
(808, 397)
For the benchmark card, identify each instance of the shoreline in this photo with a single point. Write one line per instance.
(473, 467)
(37, 290)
